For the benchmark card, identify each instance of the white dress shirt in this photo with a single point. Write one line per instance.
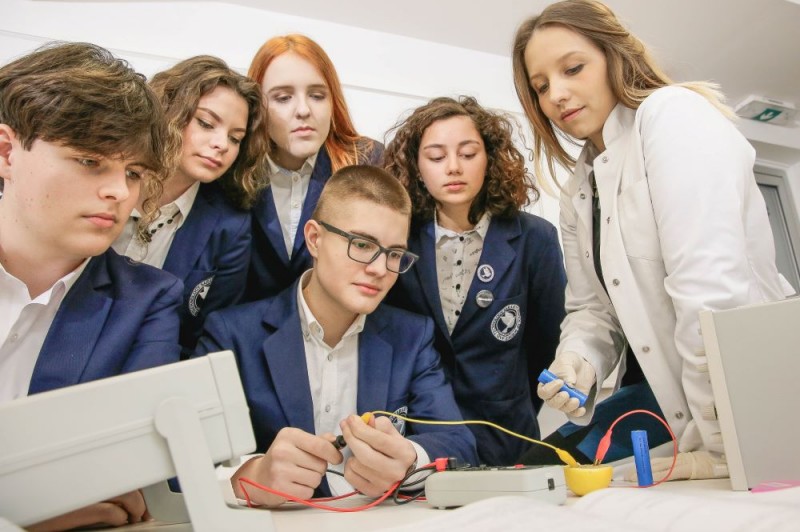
(24, 324)
(289, 189)
(457, 256)
(170, 219)
(333, 380)
(332, 377)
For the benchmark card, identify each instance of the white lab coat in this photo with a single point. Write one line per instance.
(683, 228)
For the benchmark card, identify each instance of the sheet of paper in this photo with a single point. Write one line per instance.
(516, 513)
(669, 511)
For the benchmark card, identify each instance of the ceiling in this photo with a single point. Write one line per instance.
(748, 46)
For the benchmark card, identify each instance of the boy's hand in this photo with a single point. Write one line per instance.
(294, 464)
(381, 455)
(121, 510)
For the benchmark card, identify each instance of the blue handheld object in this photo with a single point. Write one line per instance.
(641, 456)
(547, 376)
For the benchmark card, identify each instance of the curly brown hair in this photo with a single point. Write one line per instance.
(180, 88)
(507, 186)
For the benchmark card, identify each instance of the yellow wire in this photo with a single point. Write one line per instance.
(562, 453)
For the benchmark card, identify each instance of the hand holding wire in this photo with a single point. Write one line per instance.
(340, 443)
(381, 455)
(294, 464)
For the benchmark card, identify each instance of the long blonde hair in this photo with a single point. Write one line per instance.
(632, 72)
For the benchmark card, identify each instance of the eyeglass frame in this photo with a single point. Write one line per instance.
(381, 250)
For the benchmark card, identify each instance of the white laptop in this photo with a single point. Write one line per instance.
(754, 363)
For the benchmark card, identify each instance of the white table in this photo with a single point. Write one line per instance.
(300, 518)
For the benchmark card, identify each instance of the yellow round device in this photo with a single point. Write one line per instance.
(587, 478)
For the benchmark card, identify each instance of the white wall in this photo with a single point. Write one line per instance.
(384, 75)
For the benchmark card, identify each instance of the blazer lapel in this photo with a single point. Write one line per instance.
(75, 330)
(320, 175)
(425, 270)
(374, 366)
(266, 216)
(500, 254)
(193, 236)
(285, 354)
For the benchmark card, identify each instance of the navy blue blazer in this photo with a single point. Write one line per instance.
(496, 352)
(210, 254)
(397, 367)
(118, 317)
(271, 269)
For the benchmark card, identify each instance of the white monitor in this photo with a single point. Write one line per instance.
(65, 449)
(754, 363)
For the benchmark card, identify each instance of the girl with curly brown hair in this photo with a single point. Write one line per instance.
(490, 276)
(217, 148)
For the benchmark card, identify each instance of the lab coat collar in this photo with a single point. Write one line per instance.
(619, 121)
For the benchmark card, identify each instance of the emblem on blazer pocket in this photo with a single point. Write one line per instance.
(505, 324)
(198, 296)
(398, 423)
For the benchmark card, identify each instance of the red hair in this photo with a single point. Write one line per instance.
(344, 144)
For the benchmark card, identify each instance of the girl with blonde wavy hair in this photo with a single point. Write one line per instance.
(661, 218)
(217, 149)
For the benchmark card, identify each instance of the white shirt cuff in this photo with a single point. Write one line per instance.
(422, 459)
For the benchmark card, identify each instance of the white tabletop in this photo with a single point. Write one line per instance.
(293, 517)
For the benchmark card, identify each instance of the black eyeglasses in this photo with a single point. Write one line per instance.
(365, 250)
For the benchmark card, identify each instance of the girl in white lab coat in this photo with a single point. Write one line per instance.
(660, 219)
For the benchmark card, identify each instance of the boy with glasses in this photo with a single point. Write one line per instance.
(324, 349)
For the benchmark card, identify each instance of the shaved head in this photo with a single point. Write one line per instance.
(361, 182)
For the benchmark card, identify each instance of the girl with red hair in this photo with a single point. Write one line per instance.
(311, 136)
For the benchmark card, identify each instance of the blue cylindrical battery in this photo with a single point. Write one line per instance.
(641, 456)
(547, 376)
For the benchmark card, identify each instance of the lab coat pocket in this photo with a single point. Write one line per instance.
(637, 222)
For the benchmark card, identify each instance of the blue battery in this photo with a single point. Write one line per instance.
(641, 456)
(547, 376)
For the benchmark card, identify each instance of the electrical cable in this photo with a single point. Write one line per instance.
(442, 464)
(562, 453)
(605, 443)
(420, 494)
(312, 502)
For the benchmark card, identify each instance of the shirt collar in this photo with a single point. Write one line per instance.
(182, 204)
(66, 283)
(480, 228)
(186, 200)
(309, 324)
(282, 174)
